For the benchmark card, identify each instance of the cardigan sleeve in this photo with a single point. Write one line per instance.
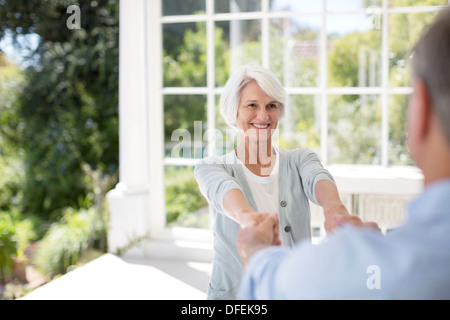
(311, 171)
(214, 181)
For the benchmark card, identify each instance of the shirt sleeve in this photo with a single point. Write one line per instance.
(260, 280)
(279, 273)
(335, 269)
(214, 182)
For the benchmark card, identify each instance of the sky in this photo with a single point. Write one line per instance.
(18, 55)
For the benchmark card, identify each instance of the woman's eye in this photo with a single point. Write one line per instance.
(272, 106)
(252, 105)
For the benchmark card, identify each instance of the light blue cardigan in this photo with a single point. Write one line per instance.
(299, 171)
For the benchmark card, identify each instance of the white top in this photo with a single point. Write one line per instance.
(264, 189)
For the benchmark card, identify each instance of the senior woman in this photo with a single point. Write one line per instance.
(257, 179)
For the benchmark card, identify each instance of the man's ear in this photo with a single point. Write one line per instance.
(423, 110)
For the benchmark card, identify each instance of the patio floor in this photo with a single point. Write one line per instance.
(128, 278)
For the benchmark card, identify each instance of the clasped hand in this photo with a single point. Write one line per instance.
(261, 230)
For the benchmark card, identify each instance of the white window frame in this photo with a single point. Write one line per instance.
(141, 186)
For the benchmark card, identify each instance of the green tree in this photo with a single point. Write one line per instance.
(67, 109)
(11, 168)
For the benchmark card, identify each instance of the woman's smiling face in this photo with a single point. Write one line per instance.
(258, 113)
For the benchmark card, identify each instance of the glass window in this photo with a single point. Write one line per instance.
(300, 128)
(354, 51)
(404, 30)
(354, 129)
(411, 3)
(295, 6)
(398, 145)
(329, 55)
(353, 5)
(182, 7)
(184, 58)
(238, 42)
(185, 205)
(226, 136)
(185, 123)
(295, 50)
(234, 6)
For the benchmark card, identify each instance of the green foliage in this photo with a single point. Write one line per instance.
(398, 146)
(406, 30)
(11, 169)
(67, 240)
(15, 234)
(66, 116)
(344, 56)
(188, 67)
(8, 246)
(182, 193)
(355, 142)
(185, 66)
(11, 173)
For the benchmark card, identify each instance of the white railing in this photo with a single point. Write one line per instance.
(378, 194)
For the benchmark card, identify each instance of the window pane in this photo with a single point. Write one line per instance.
(184, 125)
(300, 128)
(182, 7)
(354, 51)
(227, 137)
(238, 42)
(404, 31)
(184, 60)
(295, 50)
(296, 6)
(411, 3)
(398, 145)
(351, 5)
(185, 205)
(354, 129)
(233, 6)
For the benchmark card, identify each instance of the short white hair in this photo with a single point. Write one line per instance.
(231, 96)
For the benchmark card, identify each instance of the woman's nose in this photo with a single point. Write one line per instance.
(262, 114)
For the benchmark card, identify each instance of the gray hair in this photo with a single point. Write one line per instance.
(231, 96)
(431, 63)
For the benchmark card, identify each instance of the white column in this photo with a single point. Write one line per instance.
(132, 83)
(128, 202)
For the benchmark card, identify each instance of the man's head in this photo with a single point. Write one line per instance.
(429, 108)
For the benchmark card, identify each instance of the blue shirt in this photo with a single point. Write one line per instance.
(410, 262)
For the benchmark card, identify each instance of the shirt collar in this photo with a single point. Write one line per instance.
(433, 202)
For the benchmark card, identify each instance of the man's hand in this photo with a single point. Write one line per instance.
(257, 237)
(336, 214)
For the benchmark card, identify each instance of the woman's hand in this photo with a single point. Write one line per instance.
(237, 208)
(252, 218)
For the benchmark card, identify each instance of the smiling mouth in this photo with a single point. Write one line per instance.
(260, 126)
